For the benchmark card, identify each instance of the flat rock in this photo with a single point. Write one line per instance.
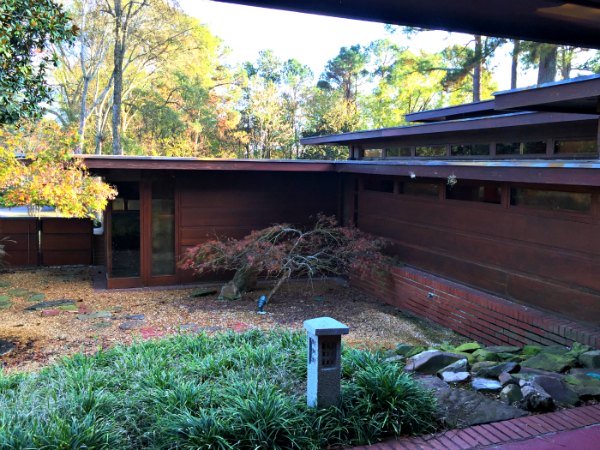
(485, 385)
(462, 365)
(135, 317)
(590, 359)
(483, 355)
(455, 377)
(468, 347)
(430, 361)
(506, 378)
(6, 347)
(49, 304)
(130, 325)
(463, 408)
(95, 315)
(560, 392)
(408, 350)
(49, 312)
(551, 362)
(503, 349)
(494, 371)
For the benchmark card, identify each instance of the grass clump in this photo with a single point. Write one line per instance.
(229, 391)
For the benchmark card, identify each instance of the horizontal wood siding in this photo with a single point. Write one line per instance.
(547, 259)
(231, 204)
(66, 242)
(22, 241)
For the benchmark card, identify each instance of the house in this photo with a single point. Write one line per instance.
(493, 207)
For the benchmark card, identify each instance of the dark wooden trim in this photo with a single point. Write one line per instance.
(578, 95)
(477, 109)
(425, 130)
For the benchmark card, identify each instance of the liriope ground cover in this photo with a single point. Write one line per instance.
(229, 390)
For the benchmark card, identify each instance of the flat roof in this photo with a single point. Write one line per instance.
(577, 95)
(464, 111)
(574, 22)
(566, 172)
(506, 120)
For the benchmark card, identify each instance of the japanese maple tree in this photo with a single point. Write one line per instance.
(283, 251)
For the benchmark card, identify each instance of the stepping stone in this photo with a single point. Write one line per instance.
(150, 332)
(36, 298)
(6, 347)
(5, 302)
(4, 284)
(240, 327)
(49, 305)
(131, 325)
(135, 317)
(50, 312)
(95, 315)
(19, 292)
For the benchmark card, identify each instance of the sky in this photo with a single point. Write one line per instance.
(313, 39)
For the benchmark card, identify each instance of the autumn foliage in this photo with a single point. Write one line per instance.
(45, 174)
(283, 251)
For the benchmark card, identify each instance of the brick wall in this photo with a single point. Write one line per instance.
(484, 317)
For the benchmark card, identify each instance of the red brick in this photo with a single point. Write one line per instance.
(576, 418)
(552, 422)
(491, 433)
(454, 436)
(510, 430)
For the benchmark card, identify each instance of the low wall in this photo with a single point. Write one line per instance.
(484, 317)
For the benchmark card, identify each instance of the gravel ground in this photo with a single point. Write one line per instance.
(42, 336)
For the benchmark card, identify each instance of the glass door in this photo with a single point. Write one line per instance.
(162, 233)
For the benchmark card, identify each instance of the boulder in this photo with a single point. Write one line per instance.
(6, 347)
(511, 394)
(590, 359)
(535, 398)
(230, 291)
(455, 377)
(560, 392)
(551, 362)
(464, 408)
(506, 378)
(468, 347)
(495, 370)
(430, 361)
(586, 385)
(485, 385)
(462, 365)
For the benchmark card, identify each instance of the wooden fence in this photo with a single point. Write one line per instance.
(47, 241)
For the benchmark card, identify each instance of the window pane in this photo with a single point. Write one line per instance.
(422, 189)
(398, 152)
(125, 232)
(475, 193)
(431, 150)
(379, 185)
(470, 150)
(373, 153)
(576, 146)
(533, 148)
(555, 200)
(512, 148)
(163, 229)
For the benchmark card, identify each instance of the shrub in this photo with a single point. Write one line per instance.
(229, 391)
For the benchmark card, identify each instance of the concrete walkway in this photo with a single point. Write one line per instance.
(576, 429)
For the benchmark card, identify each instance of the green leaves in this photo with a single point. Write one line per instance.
(28, 27)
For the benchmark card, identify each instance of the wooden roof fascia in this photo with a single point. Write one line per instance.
(476, 109)
(462, 125)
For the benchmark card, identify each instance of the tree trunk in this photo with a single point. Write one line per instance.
(83, 115)
(117, 79)
(514, 68)
(547, 67)
(286, 276)
(477, 70)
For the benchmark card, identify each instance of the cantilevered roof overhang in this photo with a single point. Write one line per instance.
(575, 22)
(511, 120)
(561, 172)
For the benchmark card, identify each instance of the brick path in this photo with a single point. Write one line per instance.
(577, 428)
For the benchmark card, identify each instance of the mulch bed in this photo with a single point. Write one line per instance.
(44, 335)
